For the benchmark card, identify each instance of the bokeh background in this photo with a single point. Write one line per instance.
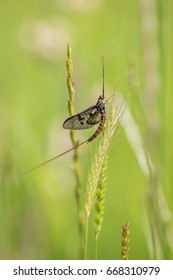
(38, 212)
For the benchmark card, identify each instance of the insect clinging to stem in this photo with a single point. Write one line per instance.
(91, 116)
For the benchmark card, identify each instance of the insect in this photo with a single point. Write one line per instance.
(91, 116)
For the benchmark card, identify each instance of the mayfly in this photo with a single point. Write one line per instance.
(91, 116)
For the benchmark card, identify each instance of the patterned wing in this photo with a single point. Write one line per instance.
(84, 119)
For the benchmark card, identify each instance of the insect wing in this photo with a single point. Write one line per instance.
(84, 119)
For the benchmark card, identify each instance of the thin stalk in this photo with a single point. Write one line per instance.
(76, 166)
(152, 85)
(86, 239)
(96, 249)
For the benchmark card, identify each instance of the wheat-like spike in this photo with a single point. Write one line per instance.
(100, 198)
(125, 241)
(116, 115)
(76, 144)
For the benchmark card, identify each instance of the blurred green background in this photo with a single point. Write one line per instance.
(38, 212)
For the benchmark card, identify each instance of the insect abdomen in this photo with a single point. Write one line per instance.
(100, 127)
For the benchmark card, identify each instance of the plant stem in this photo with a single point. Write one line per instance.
(76, 167)
(86, 238)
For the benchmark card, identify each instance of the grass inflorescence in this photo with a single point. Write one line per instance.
(116, 115)
(76, 166)
(125, 241)
(98, 171)
(97, 179)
